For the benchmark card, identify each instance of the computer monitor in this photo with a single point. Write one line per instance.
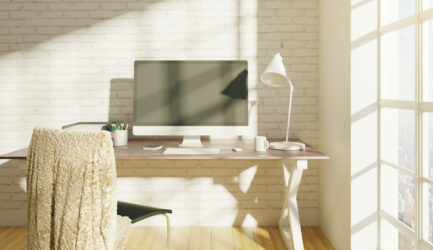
(191, 98)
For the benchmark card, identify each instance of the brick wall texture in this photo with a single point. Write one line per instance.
(63, 61)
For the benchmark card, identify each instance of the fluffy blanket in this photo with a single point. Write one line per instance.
(71, 180)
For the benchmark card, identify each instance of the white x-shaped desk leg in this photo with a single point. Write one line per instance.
(289, 225)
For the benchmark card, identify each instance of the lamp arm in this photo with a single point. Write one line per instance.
(290, 111)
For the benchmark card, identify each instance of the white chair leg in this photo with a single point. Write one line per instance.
(168, 231)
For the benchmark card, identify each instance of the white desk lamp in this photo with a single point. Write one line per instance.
(275, 75)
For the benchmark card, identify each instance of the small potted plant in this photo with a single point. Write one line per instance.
(119, 134)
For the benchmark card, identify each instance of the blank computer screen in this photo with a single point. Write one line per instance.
(191, 93)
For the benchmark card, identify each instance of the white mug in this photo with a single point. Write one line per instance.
(261, 143)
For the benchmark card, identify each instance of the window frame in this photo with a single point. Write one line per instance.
(420, 107)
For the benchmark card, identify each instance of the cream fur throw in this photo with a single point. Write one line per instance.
(71, 181)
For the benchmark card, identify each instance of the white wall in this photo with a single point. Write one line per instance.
(69, 61)
(364, 134)
(334, 109)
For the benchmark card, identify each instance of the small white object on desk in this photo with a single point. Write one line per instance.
(261, 144)
(237, 149)
(152, 147)
(192, 151)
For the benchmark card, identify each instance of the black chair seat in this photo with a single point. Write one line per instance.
(137, 212)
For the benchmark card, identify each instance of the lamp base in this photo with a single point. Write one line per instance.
(282, 145)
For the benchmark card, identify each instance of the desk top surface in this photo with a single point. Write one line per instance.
(134, 150)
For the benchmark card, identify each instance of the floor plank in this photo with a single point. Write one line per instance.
(262, 235)
(179, 237)
(191, 238)
(222, 238)
(243, 238)
(276, 238)
(200, 238)
(314, 239)
(13, 238)
(147, 238)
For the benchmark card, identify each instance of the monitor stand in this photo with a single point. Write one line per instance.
(191, 141)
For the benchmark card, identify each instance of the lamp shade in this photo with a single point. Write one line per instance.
(275, 73)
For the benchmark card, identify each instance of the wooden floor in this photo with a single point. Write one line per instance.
(191, 238)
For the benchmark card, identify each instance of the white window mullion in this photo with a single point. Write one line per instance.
(427, 180)
(397, 104)
(425, 106)
(399, 168)
(379, 111)
(425, 245)
(403, 228)
(418, 126)
(418, 106)
(399, 25)
(428, 14)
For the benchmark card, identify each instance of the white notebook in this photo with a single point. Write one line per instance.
(192, 151)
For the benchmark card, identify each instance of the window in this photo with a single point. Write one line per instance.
(396, 10)
(398, 64)
(428, 213)
(405, 56)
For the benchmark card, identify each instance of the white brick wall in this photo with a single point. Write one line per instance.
(200, 192)
(68, 61)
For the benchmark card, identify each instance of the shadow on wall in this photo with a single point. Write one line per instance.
(252, 193)
(207, 192)
(33, 23)
(121, 100)
(13, 198)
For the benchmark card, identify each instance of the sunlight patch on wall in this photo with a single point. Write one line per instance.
(364, 124)
(246, 177)
(61, 70)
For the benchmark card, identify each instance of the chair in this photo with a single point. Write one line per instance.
(137, 212)
(71, 193)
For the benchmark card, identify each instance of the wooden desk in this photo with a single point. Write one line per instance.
(134, 150)
(293, 164)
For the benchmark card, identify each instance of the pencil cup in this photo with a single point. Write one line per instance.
(120, 137)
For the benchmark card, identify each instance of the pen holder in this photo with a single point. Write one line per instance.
(120, 137)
